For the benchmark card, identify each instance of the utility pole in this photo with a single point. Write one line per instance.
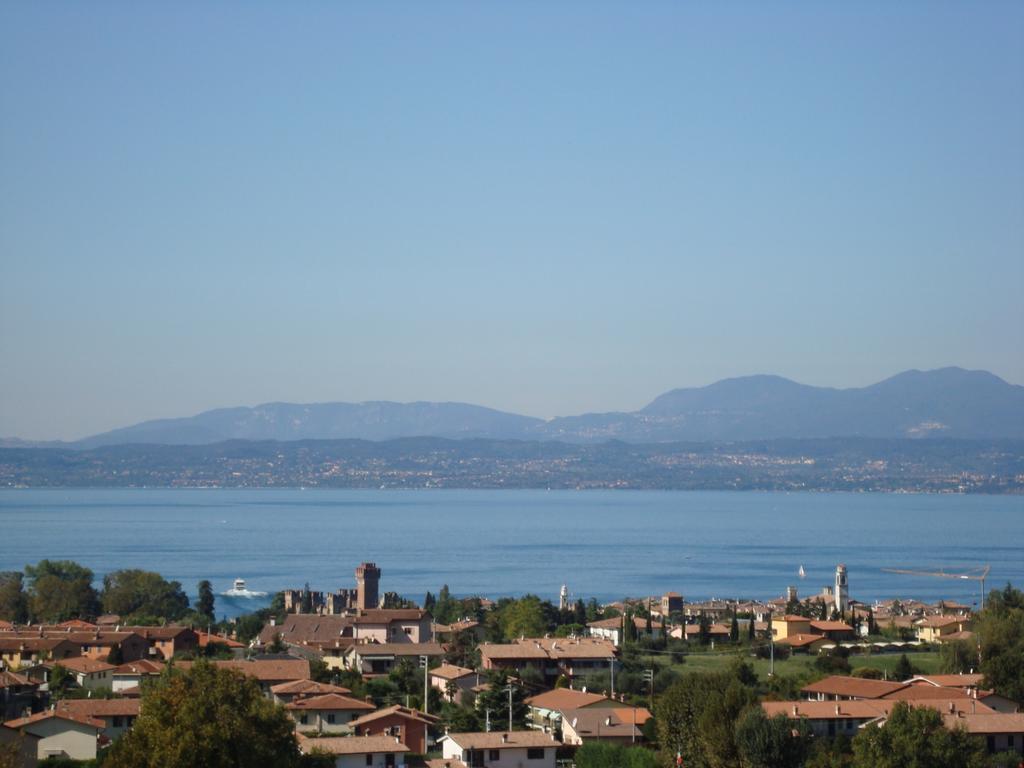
(487, 722)
(509, 689)
(649, 677)
(425, 663)
(613, 675)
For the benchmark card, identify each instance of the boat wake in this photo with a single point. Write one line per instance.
(247, 593)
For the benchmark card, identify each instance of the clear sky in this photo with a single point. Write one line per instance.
(548, 208)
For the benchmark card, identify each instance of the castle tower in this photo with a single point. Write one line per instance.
(842, 594)
(367, 580)
(563, 598)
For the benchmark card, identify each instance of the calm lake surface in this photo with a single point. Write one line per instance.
(603, 544)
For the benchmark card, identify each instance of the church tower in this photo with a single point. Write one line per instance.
(563, 598)
(842, 593)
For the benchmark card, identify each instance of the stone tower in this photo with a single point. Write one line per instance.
(367, 579)
(842, 593)
(563, 598)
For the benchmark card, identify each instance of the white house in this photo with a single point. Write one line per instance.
(358, 751)
(90, 673)
(61, 734)
(515, 749)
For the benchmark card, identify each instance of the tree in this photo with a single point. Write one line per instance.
(216, 718)
(204, 605)
(958, 657)
(446, 609)
(429, 601)
(13, 600)
(1000, 629)
(734, 628)
(523, 618)
(134, 592)
(916, 736)
(903, 670)
(872, 626)
(277, 645)
(776, 742)
(579, 612)
(60, 590)
(61, 680)
(750, 629)
(495, 698)
(704, 625)
(697, 716)
(598, 754)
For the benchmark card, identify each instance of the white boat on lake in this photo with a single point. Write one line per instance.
(239, 590)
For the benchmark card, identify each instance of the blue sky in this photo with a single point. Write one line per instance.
(548, 208)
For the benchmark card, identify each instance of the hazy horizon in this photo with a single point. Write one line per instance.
(546, 210)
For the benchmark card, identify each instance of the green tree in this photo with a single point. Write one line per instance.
(132, 592)
(697, 716)
(734, 628)
(958, 657)
(750, 629)
(916, 736)
(277, 645)
(13, 600)
(60, 590)
(446, 609)
(61, 681)
(210, 717)
(205, 603)
(523, 618)
(704, 626)
(1000, 629)
(598, 754)
(776, 742)
(903, 670)
(496, 699)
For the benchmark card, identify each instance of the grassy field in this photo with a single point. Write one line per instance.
(802, 665)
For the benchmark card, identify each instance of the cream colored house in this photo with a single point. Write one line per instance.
(61, 734)
(498, 749)
(938, 629)
(329, 713)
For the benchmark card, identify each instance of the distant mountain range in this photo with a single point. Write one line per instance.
(949, 402)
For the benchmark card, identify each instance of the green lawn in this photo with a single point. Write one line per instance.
(802, 665)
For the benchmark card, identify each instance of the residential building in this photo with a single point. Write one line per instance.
(939, 629)
(409, 726)
(283, 693)
(18, 695)
(515, 749)
(61, 734)
(381, 658)
(546, 708)
(117, 715)
(359, 751)
(328, 713)
(89, 674)
(18, 652)
(453, 681)
(619, 725)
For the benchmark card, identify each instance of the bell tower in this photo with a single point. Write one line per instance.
(842, 593)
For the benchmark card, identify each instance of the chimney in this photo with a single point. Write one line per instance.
(504, 738)
(795, 710)
(837, 710)
(952, 707)
(273, 621)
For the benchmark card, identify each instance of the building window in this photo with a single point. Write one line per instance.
(330, 718)
(304, 719)
(494, 756)
(535, 753)
(117, 721)
(369, 758)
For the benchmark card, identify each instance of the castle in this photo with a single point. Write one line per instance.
(366, 595)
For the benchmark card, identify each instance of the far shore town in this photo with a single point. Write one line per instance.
(370, 678)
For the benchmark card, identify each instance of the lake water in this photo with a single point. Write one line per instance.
(603, 544)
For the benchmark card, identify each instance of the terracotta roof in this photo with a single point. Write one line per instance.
(450, 762)
(866, 709)
(205, 638)
(941, 621)
(564, 698)
(330, 701)
(308, 628)
(502, 740)
(169, 632)
(48, 714)
(397, 649)
(306, 688)
(5, 626)
(450, 672)
(997, 722)
(605, 721)
(76, 624)
(790, 617)
(462, 626)
(949, 681)
(856, 687)
(108, 619)
(140, 667)
(613, 623)
(387, 615)
(10, 679)
(923, 692)
(85, 665)
(352, 745)
(96, 708)
(264, 670)
(831, 626)
(31, 644)
(398, 711)
(800, 640)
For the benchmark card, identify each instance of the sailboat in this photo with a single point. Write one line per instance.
(801, 573)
